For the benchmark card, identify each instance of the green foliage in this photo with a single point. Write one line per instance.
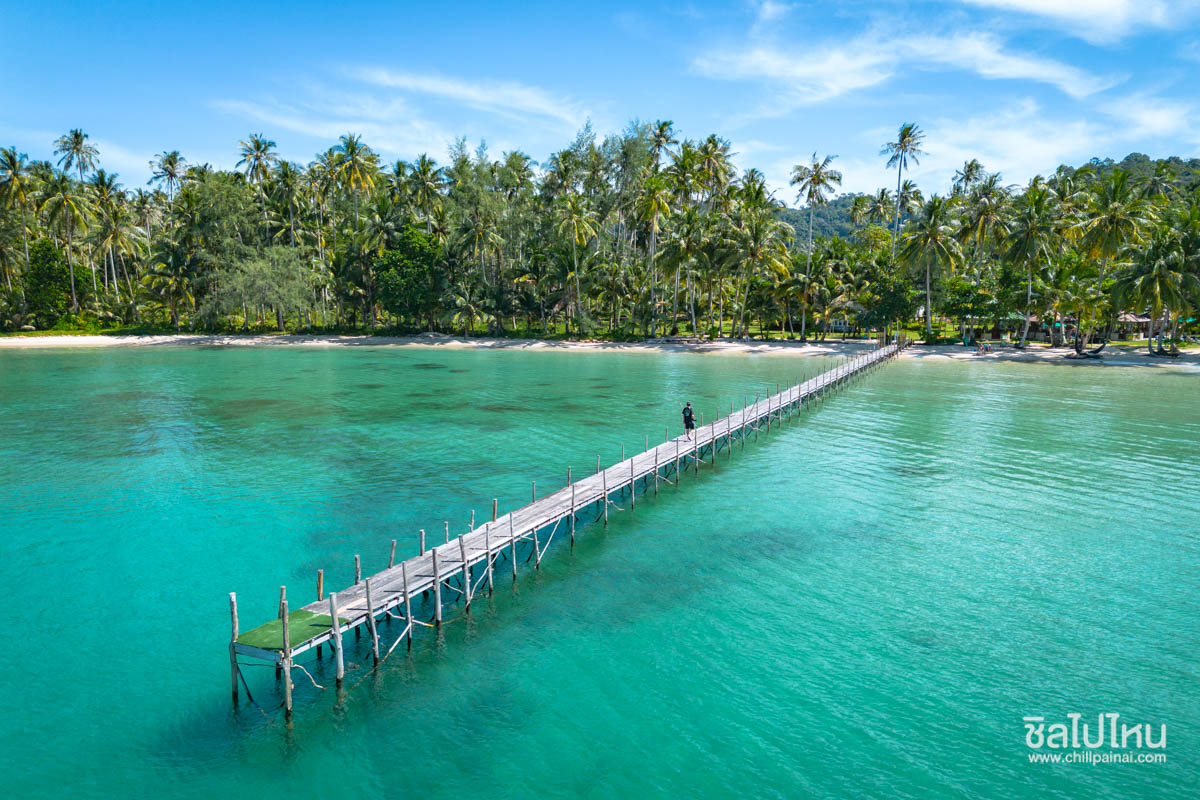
(47, 283)
(411, 275)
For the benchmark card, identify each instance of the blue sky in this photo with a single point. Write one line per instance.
(1023, 85)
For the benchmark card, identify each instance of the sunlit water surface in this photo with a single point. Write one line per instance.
(865, 603)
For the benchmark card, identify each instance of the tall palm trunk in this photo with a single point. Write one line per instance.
(1028, 302)
(807, 277)
(896, 220)
(71, 269)
(928, 303)
(578, 291)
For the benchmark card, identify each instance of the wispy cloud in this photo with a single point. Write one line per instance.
(501, 97)
(825, 72)
(1144, 116)
(391, 126)
(1100, 21)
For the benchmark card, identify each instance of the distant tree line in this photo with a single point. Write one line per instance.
(638, 234)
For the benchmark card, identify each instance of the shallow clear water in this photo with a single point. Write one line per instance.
(865, 603)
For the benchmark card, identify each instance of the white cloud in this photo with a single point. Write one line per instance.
(501, 97)
(1099, 20)
(1146, 117)
(131, 165)
(823, 73)
(389, 126)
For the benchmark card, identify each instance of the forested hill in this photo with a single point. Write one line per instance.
(1184, 173)
(831, 219)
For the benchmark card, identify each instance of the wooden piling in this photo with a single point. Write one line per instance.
(336, 629)
(408, 617)
(487, 546)
(321, 593)
(447, 533)
(572, 509)
(437, 590)
(632, 487)
(512, 540)
(604, 499)
(533, 495)
(495, 505)
(357, 570)
(286, 660)
(371, 626)
(391, 558)
(537, 550)
(233, 665)
(466, 573)
(282, 614)
(422, 541)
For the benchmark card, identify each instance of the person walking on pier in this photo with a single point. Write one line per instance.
(689, 420)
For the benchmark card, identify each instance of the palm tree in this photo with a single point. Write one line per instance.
(930, 244)
(1158, 279)
(653, 205)
(577, 223)
(425, 184)
(358, 165)
(14, 190)
(972, 172)
(65, 207)
(74, 151)
(258, 156)
(816, 180)
(168, 168)
(906, 147)
(1030, 237)
(662, 136)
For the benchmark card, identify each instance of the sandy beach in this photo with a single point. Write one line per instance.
(1113, 356)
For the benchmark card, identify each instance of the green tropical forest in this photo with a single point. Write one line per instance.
(636, 235)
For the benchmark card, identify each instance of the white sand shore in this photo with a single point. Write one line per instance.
(1113, 356)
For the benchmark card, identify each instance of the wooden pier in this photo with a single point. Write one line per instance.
(457, 570)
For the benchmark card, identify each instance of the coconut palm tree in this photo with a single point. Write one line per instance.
(358, 167)
(652, 206)
(1158, 280)
(425, 184)
(662, 136)
(15, 181)
(168, 168)
(815, 180)
(66, 208)
(75, 152)
(1031, 237)
(577, 222)
(907, 147)
(929, 245)
(257, 158)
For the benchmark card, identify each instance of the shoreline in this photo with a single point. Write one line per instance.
(1036, 353)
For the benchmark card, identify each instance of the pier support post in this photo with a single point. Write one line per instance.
(422, 541)
(487, 546)
(286, 661)
(512, 543)
(392, 557)
(604, 499)
(495, 505)
(282, 614)
(233, 667)
(466, 573)
(321, 594)
(408, 618)
(632, 487)
(437, 590)
(357, 570)
(371, 627)
(336, 628)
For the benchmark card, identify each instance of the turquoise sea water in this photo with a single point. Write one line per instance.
(863, 604)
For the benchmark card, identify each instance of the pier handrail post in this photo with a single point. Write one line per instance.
(286, 661)
(512, 542)
(487, 546)
(407, 602)
(371, 626)
(466, 573)
(437, 590)
(321, 592)
(233, 666)
(336, 627)
(603, 499)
